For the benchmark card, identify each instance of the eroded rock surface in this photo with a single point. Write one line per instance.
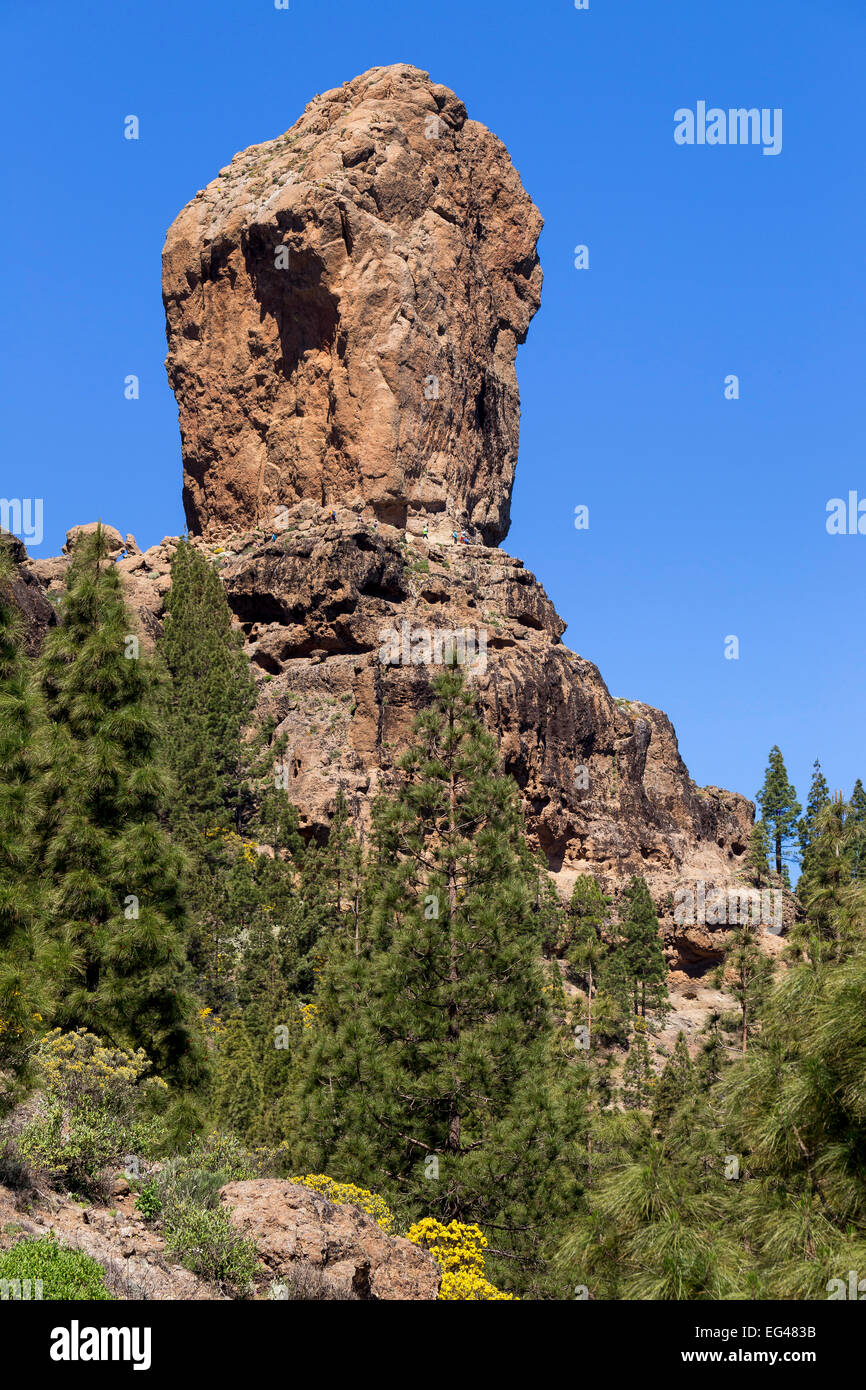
(296, 1231)
(343, 308)
(324, 599)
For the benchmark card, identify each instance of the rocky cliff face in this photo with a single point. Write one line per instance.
(313, 459)
(344, 622)
(343, 307)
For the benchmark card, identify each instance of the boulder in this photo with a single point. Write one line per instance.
(296, 1232)
(112, 535)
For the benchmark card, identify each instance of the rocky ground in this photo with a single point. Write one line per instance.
(307, 1247)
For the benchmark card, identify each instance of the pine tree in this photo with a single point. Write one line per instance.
(857, 818)
(757, 859)
(117, 911)
(819, 797)
(825, 889)
(749, 974)
(209, 695)
(711, 1058)
(642, 953)
(212, 694)
(20, 728)
(779, 806)
(637, 1073)
(428, 1068)
(587, 918)
(675, 1085)
(795, 1108)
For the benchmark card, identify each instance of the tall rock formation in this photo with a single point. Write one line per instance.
(336, 398)
(344, 305)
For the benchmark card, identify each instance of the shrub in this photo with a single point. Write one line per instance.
(459, 1252)
(205, 1240)
(99, 1106)
(148, 1201)
(63, 1274)
(75, 1149)
(197, 1229)
(347, 1194)
(77, 1066)
(210, 1162)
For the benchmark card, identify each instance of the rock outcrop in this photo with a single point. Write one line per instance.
(296, 1233)
(307, 433)
(321, 604)
(131, 1253)
(28, 594)
(343, 308)
(308, 1247)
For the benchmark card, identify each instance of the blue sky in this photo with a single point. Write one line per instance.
(707, 516)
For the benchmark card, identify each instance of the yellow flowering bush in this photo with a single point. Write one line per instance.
(347, 1194)
(211, 1023)
(308, 1014)
(98, 1107)
(78, 1065)
(458, 1250)
(248, 848)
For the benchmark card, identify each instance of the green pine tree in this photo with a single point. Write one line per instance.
(587, 916)
(637, 1074)
(827, 888)
(819, 797)
(711, 1059)
(857, 817)
(642, 951)
(675, 1084)
(117, 915)
(757, 859)
(209, 696)
(748, 973)
(212, 694)
(780, 808)
(429, 1069)
(21, 724)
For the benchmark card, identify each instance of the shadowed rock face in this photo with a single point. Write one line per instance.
(343, 309)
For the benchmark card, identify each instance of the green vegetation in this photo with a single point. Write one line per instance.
(117, 917)
(406, 1017)
(62, 1273)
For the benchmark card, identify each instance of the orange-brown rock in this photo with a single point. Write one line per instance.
(312, 293)
(296, 1232)
(343, 308)
(604, 787)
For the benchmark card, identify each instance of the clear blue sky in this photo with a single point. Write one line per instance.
(707, 516)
